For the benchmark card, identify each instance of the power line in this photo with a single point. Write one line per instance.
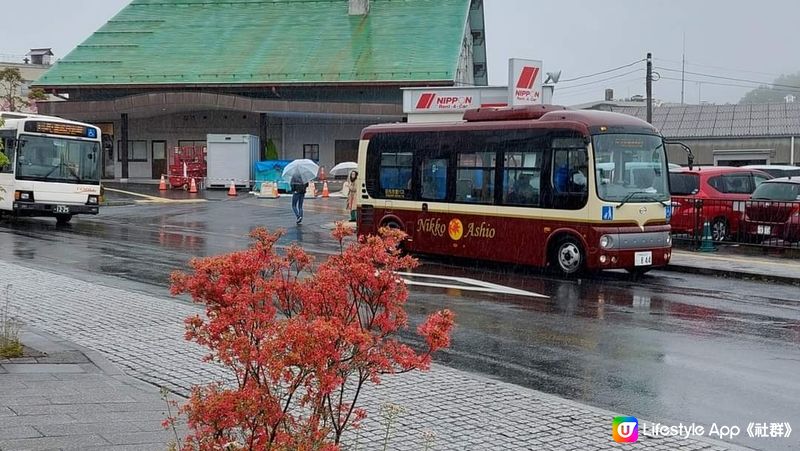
(603, 79)
(602, 72)
(720, 77)
(618, 84)
(730, 69)
(714, 83)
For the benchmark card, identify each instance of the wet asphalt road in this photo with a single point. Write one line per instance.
(669, 347)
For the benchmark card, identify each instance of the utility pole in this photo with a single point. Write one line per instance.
(649, 84)
(683, 65)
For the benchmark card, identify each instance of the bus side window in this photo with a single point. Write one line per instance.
(433, 178)
(7, 148)
(475, 177)
(522, 177)
(395, 174)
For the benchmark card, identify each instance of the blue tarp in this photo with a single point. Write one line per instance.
(270, 171)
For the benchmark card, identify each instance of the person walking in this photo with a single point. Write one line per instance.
(351, 194)
(298, 195)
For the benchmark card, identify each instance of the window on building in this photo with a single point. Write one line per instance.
(137, 151)
(197, 144)
(311, 151)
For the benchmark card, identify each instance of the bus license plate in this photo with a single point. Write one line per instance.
(763, 230)
(61, 209)
(643, 259)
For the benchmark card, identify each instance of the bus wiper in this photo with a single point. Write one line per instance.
(650, 197)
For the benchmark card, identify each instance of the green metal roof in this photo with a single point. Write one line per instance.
(268, 41)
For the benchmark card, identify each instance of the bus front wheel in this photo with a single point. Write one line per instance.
(568, 256)
(63, 219)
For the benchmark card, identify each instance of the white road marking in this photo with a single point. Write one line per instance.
(465, 284)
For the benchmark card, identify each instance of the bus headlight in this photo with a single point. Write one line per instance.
(93, 200)
(25, 196)
(606, 242)
(669, 239)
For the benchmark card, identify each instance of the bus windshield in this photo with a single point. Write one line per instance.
(46, 158)
(630, 168)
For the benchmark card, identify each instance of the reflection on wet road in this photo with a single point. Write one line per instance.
(669, 347)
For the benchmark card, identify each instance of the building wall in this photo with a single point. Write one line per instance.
(288, 134)
(776, 149)
(298, 133)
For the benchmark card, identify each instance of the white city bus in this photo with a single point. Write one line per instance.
(53, 167)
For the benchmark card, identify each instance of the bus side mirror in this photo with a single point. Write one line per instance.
(689, 154)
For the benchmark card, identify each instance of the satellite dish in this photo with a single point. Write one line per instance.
(552, 77)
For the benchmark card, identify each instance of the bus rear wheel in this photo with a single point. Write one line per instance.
(568, 257)
(63, 219)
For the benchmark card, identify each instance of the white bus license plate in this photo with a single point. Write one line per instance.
(61, 209)
(763, 230)
(643, 259)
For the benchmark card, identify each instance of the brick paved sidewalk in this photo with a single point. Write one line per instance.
(143, 335)
(75, 399)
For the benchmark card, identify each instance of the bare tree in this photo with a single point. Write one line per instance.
(10, 82)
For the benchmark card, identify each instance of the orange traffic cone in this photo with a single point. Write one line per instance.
(312, 190)
(275, 193)
(162, 186)
(325, 192)
(192, 186)
(232, 189)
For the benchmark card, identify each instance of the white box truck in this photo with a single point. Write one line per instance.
(231, 157)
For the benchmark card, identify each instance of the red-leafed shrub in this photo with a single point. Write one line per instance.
(301, 340)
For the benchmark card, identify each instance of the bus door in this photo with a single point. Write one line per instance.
(8, 145)
(432, 183)
(570, 180)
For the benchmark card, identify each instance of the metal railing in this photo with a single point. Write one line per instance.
(761, 223)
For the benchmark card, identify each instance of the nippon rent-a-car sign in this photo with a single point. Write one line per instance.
(445, 100)
(452, 100)
(524, 81)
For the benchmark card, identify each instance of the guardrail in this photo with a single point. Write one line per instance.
(751, 222)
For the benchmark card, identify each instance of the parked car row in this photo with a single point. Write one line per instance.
(774, 211)
(743, 203)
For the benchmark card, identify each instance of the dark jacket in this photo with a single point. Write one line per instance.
(298, 186)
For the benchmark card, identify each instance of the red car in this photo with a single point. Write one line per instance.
(713, 193)
(774, 211)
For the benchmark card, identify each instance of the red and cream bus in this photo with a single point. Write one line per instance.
(536, 185)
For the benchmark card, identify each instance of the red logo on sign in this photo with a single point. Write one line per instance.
(425, 100)
(527, 77)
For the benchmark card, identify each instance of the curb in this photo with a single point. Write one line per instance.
(118, 203)
(740, 275)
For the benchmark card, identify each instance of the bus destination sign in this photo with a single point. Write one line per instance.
(59, 128)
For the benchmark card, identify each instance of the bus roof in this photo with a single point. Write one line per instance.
(18, 115)
(533, 116)
(14, 118)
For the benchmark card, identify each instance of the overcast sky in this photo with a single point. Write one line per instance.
(729, 38)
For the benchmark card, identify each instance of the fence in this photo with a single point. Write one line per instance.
(750, 222)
